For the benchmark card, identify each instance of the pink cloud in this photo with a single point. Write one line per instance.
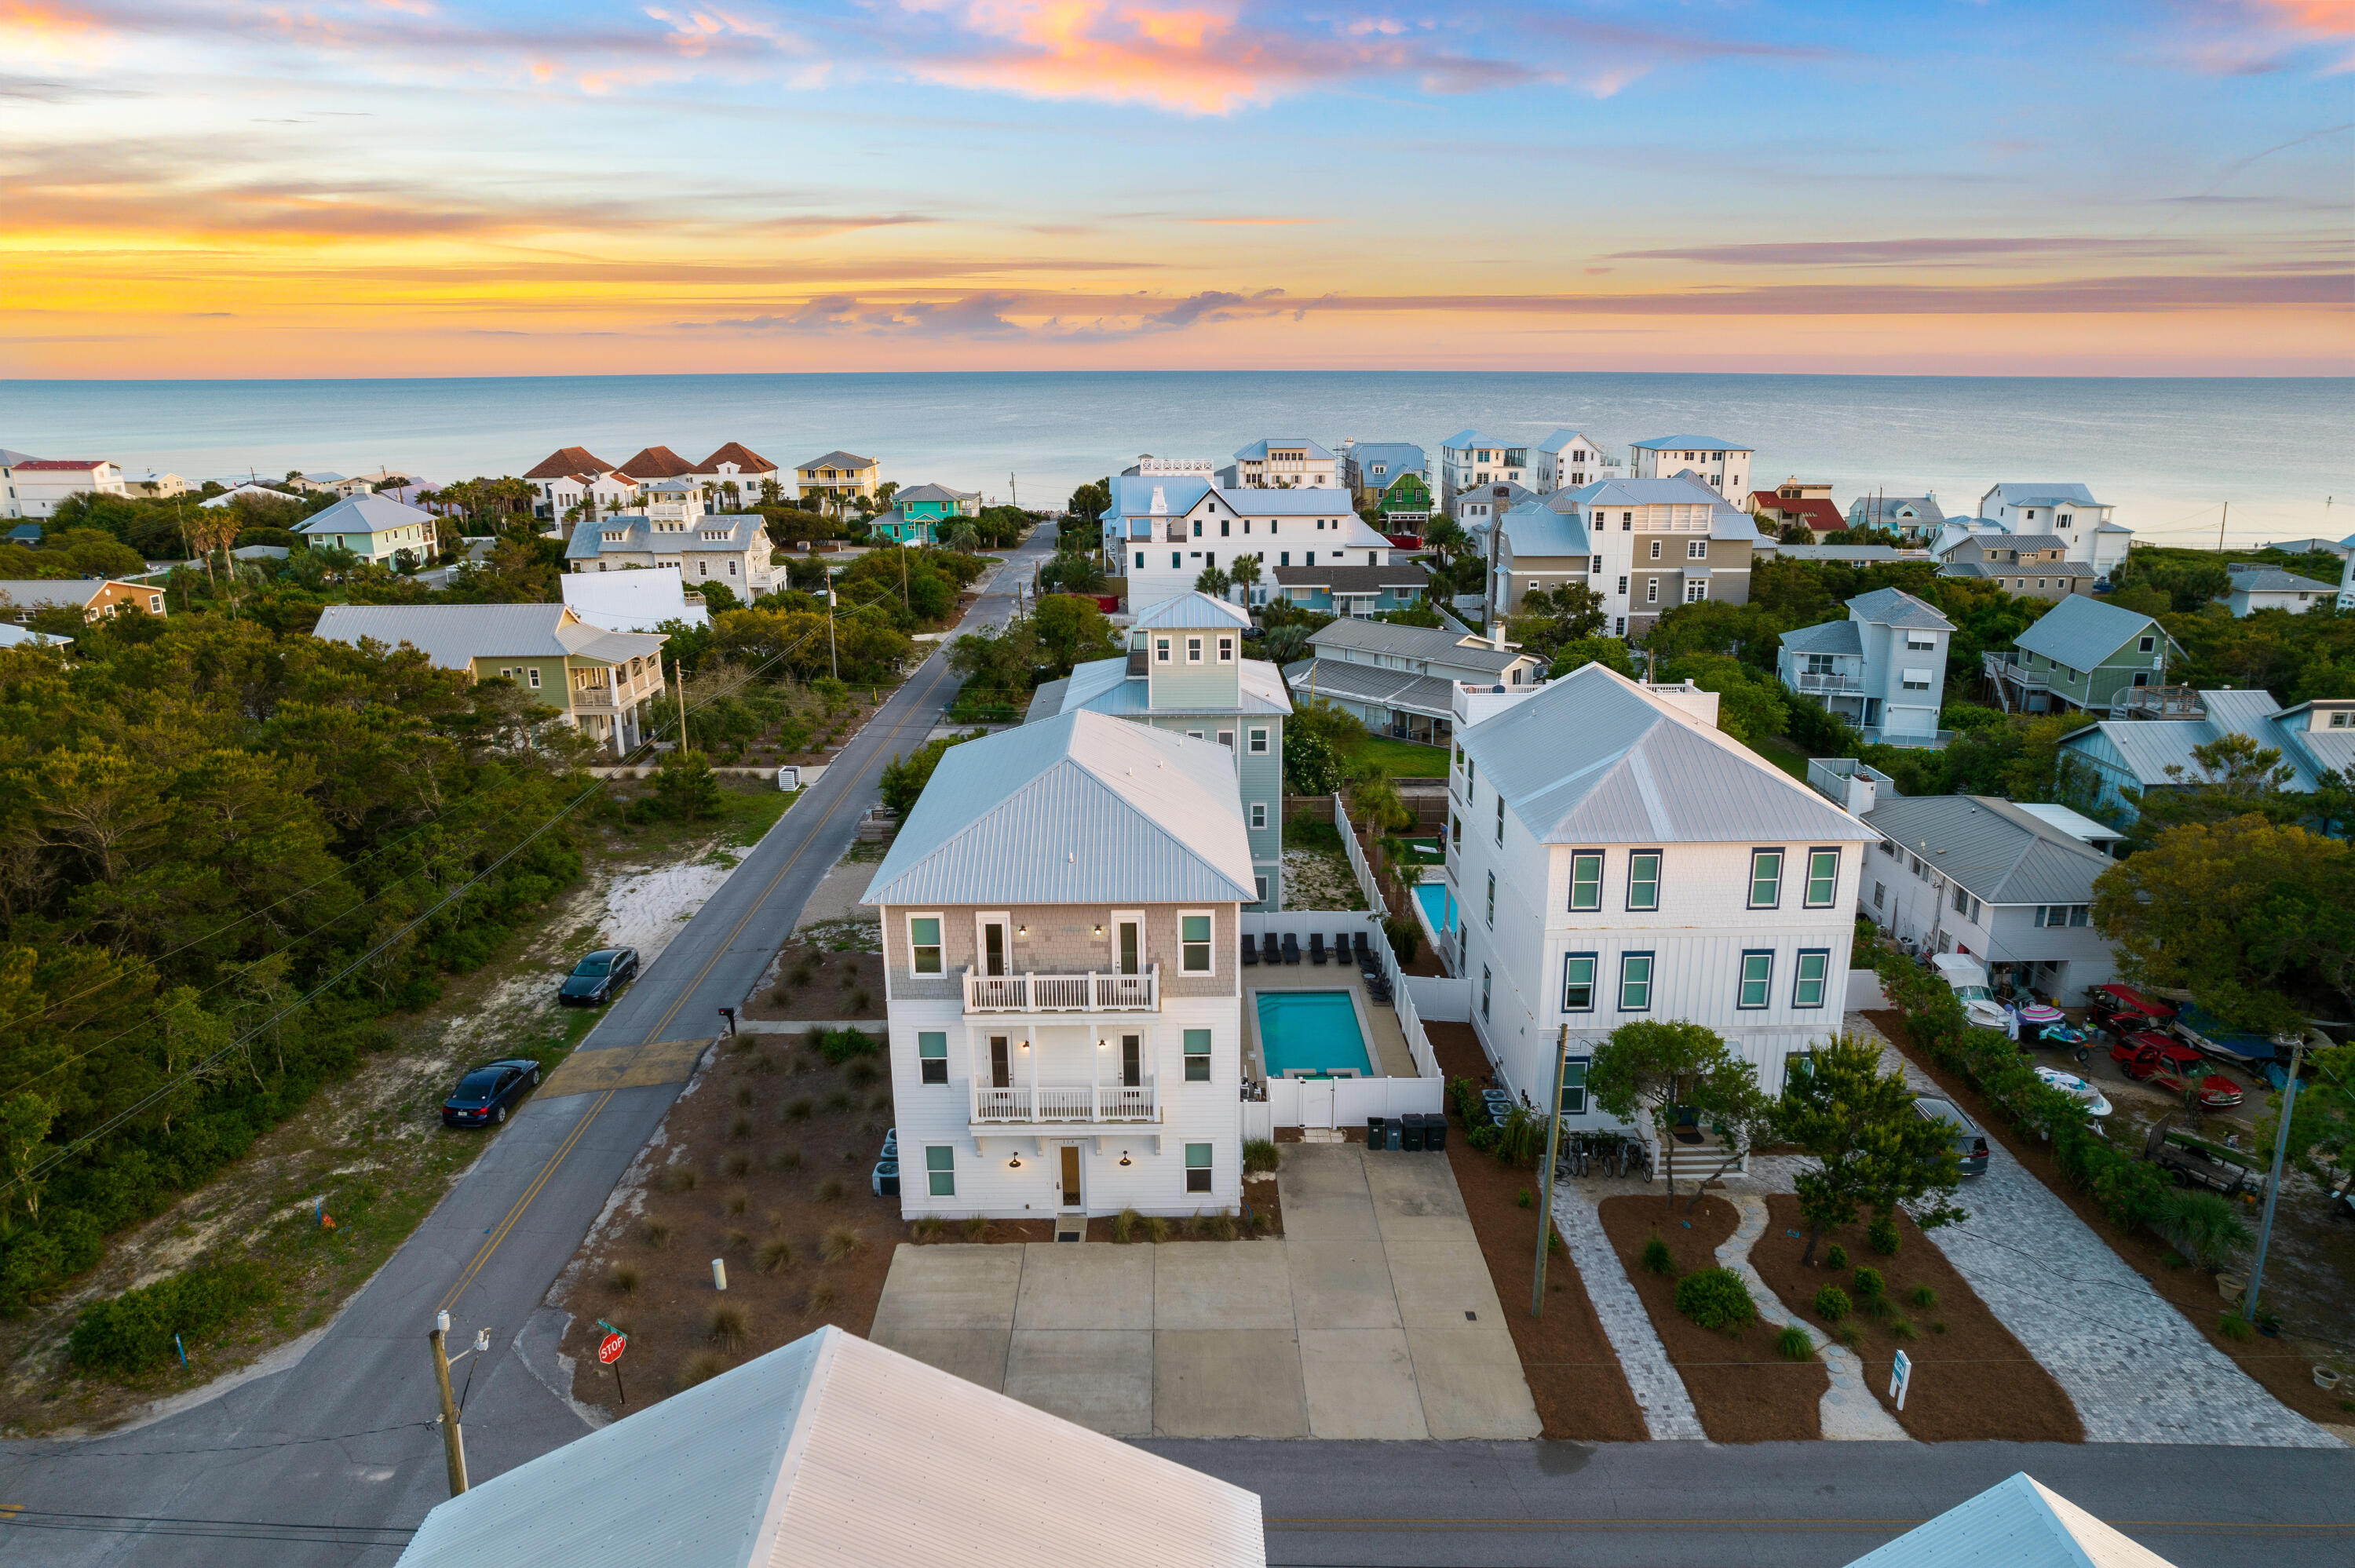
(2241, 37)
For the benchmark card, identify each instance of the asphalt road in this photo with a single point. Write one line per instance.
(314, 1459)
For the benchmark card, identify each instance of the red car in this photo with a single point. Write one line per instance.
(2122, 1010)
(2166, 1065)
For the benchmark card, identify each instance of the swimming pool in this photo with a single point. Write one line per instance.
(1312, 1032)
(1433, 896)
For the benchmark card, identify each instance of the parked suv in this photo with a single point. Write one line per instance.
(1969, 1143)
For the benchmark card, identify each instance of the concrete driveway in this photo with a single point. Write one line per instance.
(1374, 1318)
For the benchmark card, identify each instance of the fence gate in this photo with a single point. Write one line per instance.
(1316, 1102)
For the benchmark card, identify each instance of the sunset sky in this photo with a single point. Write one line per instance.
(398, 187)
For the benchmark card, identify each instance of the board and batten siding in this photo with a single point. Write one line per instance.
(1061, 940)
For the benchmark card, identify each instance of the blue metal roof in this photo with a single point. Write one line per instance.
(1258, 450)
(2080, 632)
(1689, 444)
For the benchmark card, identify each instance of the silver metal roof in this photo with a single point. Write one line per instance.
(1825, 637)
(2015, 1522)
(1895, 607)
(835, 1453)
(27, 593)
(454, 635)
(1189, 611)
(1047, 701)
(638, 536)
(2079, 632)
(1436, 645)
(366, 513)
(1318, 679)
(2272, 579)
(1536, 529)
(1594, 758)
(1996, 851)
(2148, 747)
(1079, 809)
(1105, 686)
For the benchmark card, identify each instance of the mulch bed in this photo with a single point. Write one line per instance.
(1972, 1380)
(840, 986)
(1743, 1390)
(2282, 1370)
(1574, 1374)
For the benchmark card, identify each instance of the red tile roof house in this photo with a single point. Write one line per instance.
(1795, 501)
(575, 476)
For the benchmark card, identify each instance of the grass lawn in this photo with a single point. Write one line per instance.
(1408, 760)
(1785, 754)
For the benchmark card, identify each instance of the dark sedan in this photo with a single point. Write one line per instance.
(485, 1095)
(595, 978)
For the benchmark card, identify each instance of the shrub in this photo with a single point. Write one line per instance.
(1880, 1309)
(133, 1331)
(822, 1296)
(1220, 1226)
(861, 1073)
(976, 1229)
(800, 1109)
(679, 1178)
(1157, 1229)
(701, 1367)
(1924, 1297)
(830, 1190)
(1832, 1304)
(736, 1164)
(836, 1103)
(1868, 1284)
(740, 1127)
(775, 1256)
(1483, 1138)
(1795, 1343)
(625, 1280)
(657, 1232)
(1881, 1236)
(929, 1228)
(1656, 1256)
(1260, 1154)
(839, 1045)
(1938, 1325)
(785, 1160)
(1836, 1256)
(2130, 1191)
(1716, 1299)
(728, 1327)
(744, 1094)
(2231, 1325)
(1902, 1330)
(841, 1242)
(2200, 1225)
(1524, 1201)
(735, 1241)
(882, 1102)
(1850, 1335)
(1124, 1226)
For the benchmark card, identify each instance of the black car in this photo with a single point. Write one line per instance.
(485, 1095)
(595, 978)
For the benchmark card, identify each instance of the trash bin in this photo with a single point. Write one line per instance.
(1434, 1132)
(1397, 1135)
(1374, 1133)
(1410, 1134)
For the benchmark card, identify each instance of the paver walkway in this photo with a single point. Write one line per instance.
(1374, 1318)
(1848, 1411)
(1659, 1393)
(2136, 1370)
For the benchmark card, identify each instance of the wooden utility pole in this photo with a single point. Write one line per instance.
(1545, 1173)
(681, 670)
(454, 1445)
(2220, 524)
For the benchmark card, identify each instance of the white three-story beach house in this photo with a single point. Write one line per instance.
(1613, 857)
(1061, 924)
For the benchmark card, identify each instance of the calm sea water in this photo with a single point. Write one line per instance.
(2168, 454)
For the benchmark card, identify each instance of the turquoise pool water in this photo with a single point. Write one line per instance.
(1312, 1031)
(1433, 896)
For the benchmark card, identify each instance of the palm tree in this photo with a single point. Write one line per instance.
(1213, 582)
(1286, 643)
(1244, 574)
(962, 539)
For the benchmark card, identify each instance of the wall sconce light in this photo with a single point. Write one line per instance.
(1014, 1163)
(1125, 1158)
(1026, 1045)
(1021, 930)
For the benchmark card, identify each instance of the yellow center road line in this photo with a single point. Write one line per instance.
(1345, 1525)
(654, 1036)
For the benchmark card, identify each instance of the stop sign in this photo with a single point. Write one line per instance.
(609, 1348)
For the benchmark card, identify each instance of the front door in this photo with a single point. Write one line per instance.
(1072, 1176)
(992, 948)
(1001, 1069)
(1131, 944)
(1131, 1061)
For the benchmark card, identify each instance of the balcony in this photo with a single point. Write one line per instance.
(1032, 1104)
(593, 699)
(1827, 682)
(1174, 533)
(1081, 993)
(2006, 667)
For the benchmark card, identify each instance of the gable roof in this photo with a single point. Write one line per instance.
(30, 593)
(1985, 568)
(633, 601)
(1191, 610)
(929, 492)
(1111, 686)
(833, 1450)
(1994, 849)
(1672, 490)
(1485, 495)
(366, 512)
(1816, 511)
(2007, 542)
(838, 459)
(1895, 607)
(2041, 492)
(2079, 632)
(1432, 644)
(2015, 1522)
(1353, 579)
(2253, 578)
(1397, 457)
(1693, 443)
(566, 461)
(1536, 529)
(1875, 509)
(1258, 449)
(1561, 439)
(1826, 637)
(2148, 747)
(657, 462)
(455, 635)
(1319, 680)
(638, 536)
(1468, 437)
(742, 456)
(1079, 809)
(1595, 758)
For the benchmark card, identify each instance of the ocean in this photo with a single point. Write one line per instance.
(2170, 454)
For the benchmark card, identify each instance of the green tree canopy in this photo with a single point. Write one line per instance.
(1869, 1148)
(1657, 1070)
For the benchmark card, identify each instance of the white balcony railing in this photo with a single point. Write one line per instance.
(1827, 681)
(1021, 1104)
(1090, 992)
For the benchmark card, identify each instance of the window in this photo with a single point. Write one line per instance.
(1161, 647)
(932, 1057)
(1259, 743)
(1961, 900)
(1757, 980)
(1492, 900)
(1176, 558)
(2148, 644)
(2062, 914)
(1626, 522)
(1227, 738)
(1261, 882)
(1194, 944)
(1697, 591)
(1197, 1168)
(939, 1170)
(1696, 549)
(1193, 734)
(1501, 816)
(1226, 650)
(924, 944)
(1880, 891)
(1578, 982)
(1197, 1056)
(1193, 650)
(1622, 585)
(1484, 993)
(1921, 641)
(1807, 991)
(1259, 814)
(1656, 549)
(1643, 880)
(1823, 877)
(532, 675)
(1765, 878)
(1651, 591)
(1573, 1084)
(1635, 982)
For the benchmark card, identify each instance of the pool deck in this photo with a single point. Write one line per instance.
(1387, 1049)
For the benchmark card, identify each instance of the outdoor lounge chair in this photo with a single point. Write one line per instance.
(1357, 940)
(1267, 952)
(1291, 948)
(1340, 947)
(1251, 952)
(1316, 947)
